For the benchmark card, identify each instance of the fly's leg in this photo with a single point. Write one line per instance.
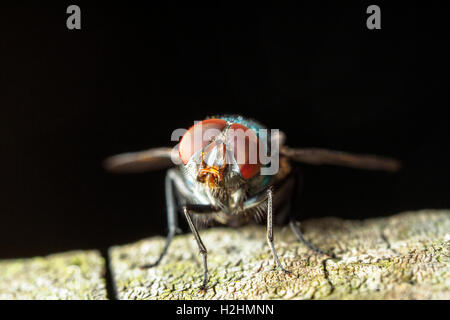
(294, 226)
(172, 220)
(270, 231)
(201, 209)
(300, 237)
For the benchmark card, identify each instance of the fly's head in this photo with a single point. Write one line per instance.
(221, 157)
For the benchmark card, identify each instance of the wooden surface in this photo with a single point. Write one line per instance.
(405, 256)
(75, 275)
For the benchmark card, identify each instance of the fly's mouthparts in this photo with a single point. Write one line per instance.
(212, 175)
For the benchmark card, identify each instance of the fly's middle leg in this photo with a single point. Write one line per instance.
(294, 224)
(172, 220)
(301, 238)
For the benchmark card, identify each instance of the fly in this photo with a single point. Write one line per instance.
(219, 175)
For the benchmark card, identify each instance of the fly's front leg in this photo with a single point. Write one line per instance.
(270, 230)
(201, 209)
(172, 220)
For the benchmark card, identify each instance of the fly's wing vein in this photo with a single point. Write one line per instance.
(318, 156)
(141, 161)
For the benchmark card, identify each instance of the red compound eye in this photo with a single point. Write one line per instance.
(242, 140)
(198, 136)
(246, 147)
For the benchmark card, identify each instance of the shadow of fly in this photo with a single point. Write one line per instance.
(231, 170)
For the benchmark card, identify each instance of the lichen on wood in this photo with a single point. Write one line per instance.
(75, 275)
(405, 256)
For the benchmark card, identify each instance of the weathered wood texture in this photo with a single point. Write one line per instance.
(405, 256)
(72, 275)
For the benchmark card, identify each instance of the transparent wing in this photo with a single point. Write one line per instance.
(322, 156)
(141, 161)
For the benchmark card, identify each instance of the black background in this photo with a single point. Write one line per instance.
(134, 73)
